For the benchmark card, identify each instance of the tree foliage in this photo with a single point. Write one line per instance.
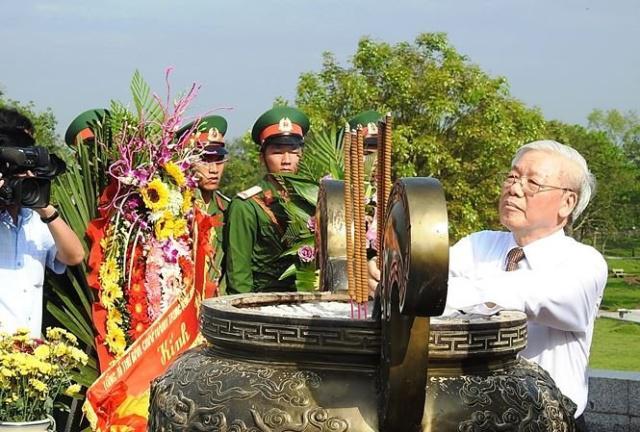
(244, 168)
(614, 207)
(44, 123)
(453, 121)
(622, 128)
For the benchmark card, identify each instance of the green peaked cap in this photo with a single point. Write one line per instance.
(364, 118)
(83, 121)
(206, 123)
(280, 121)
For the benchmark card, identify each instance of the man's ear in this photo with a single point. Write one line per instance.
(569, 202)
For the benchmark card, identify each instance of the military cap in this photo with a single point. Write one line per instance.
(280, 125)
(83, 123)
(368, 120)
(209, 132)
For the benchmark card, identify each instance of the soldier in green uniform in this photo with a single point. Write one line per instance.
(208, 171)
(368, 120)
(256, 219)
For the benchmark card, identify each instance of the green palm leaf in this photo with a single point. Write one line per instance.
(146, 104)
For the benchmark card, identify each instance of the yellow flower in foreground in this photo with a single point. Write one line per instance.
(155, 195)
(38, 385)
(72, 390)
(176, 173)
(42, 352)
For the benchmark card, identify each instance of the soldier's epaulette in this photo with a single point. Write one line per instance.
(223, 196)
(246, 194)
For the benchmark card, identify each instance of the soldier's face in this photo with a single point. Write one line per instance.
(209, 173)
(281, 158)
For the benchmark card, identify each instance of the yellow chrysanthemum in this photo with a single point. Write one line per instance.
(38, 385)
(155, 195)
(176, 173)
(60, 350)
(179, 227)
(187, 197)
(42, 352)
(169, 226)
(72, 390)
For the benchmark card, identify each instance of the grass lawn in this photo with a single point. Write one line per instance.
(616, 345)
(621, 293)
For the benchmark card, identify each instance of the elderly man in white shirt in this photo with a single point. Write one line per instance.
(534, 267)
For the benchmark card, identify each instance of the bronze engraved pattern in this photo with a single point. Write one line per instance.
(519, 398)
(465, 343)
(203, 392)
(281, 336)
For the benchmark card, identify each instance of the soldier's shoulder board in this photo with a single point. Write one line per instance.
(223, 196)
(246, 194)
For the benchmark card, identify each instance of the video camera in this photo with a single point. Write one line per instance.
(31, 192)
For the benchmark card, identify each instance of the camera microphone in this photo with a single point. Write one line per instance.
(24, 157)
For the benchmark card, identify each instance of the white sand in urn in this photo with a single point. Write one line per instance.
(329, 309)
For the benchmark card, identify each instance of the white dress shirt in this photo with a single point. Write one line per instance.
(559, 285)
(25, 249)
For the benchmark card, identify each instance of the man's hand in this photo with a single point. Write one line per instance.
(374, 276)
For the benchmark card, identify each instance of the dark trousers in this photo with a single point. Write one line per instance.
(581, 424)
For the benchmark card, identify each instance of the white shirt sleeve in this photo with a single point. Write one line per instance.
(564, 297)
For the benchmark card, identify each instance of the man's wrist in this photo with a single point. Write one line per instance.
(45, 212)
(48, 214)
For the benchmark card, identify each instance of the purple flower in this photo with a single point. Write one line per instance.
(170, 252)
(306, 254)
(133, 203)
(311, 224)
(141, 175)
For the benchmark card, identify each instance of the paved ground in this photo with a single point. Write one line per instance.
(632, 315)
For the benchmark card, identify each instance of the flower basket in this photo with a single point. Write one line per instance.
(46, 425)
(33, 374)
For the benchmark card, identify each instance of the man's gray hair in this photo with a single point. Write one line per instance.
(586, 182)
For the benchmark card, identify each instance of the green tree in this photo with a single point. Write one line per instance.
(614, 208)
(44, 123)
(453, 121)
(622, 128)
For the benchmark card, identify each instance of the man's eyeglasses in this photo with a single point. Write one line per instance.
(529, 186)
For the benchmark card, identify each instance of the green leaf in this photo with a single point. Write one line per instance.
(290, 271)
(148, 107)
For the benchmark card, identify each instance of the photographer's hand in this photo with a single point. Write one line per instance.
(70, 250)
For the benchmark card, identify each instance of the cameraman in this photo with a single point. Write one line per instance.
(30, 239)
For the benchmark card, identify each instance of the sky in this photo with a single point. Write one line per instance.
(566, 57)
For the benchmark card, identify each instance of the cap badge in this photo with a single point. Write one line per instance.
(285, 125)
(214, 135)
